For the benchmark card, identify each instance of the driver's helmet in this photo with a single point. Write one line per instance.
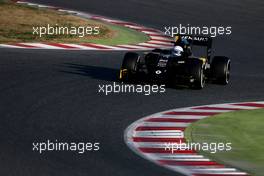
(177, 51)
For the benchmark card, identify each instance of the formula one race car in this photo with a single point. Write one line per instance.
(178, 66)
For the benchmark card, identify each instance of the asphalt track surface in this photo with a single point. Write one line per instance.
(53, 94)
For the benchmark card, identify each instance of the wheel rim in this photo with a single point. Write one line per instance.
(202, 79)
(227, 76)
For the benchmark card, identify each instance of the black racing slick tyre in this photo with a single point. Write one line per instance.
(220, 70)
(129, 66)
(197, 74)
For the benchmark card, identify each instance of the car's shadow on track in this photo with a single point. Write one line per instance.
(109, 74)
(95, 72)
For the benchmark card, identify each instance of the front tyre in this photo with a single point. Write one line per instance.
(129, 66)
(220, 70)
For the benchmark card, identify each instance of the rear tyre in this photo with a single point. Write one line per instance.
(220, 70)
(197, 74)
(129, 66)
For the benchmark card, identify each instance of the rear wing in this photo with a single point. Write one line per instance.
(195, 40)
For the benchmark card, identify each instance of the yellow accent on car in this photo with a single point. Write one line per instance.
(203, 59)
(122, 72)
(176, 38)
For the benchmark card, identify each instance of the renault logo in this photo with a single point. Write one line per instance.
(158, 72)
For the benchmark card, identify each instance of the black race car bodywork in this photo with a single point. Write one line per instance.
(161, 65)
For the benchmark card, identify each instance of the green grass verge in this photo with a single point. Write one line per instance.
(244, 129)
(17, 22)
(4, 1)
